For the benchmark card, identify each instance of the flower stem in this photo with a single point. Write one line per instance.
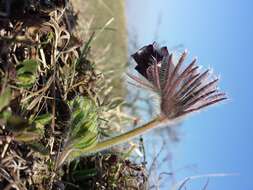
(114, 140)
(125, 136)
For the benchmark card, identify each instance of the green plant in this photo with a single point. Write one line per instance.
(26, 73)
(181, 92)
(57, 110)
(83, 130)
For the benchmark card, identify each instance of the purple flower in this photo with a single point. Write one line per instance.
(182, 89)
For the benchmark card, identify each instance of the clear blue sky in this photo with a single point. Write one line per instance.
(220, 34)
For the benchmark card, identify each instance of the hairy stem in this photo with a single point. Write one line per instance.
(125, 136)
(114, 140)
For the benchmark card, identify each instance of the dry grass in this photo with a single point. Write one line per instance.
(107, 171)
(107, 19)
(44, 66)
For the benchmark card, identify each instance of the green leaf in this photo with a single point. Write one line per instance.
(83, 130)
(43, 119)
(28, 136)
(4, 115)
(16, 124)
(38, 147)
(23, 130)
(5, 98)
(28, 66)
(84, 174)
(26, 80)
(26, 73)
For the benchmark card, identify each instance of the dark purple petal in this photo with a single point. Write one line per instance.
(144, 57)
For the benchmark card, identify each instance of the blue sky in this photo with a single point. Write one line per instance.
(220, 34)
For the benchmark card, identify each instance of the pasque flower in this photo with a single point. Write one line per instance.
(182, 89)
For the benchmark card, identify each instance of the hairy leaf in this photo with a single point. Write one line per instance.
(23, 130)
(43, 119)
(83, 130)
